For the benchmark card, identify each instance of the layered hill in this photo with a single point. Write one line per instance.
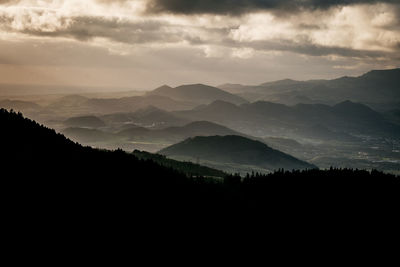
(41, 150)
(197, 93)
(233, 153)
(150, 116)
(323, 122)
(48, 178)
(75, 105)
(23, 106)
(146, 138)
(377, 88)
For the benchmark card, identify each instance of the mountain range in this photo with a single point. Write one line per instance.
(263, 118)
(165, 98)
(378, 88)
(146, 138)
(328, 130)
(197, 93)
(149, 117)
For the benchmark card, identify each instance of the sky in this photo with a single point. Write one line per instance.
(142, 44)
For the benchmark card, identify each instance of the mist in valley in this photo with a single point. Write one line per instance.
(356, 130)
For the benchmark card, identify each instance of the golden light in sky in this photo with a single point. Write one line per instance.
(142, 44)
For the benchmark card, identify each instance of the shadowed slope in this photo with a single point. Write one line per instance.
(236, 150)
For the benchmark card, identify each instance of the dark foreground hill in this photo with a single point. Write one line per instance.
(235, 150)
(188, 168)
(50, 183)
(45, 176)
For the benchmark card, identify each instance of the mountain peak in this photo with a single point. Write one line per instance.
(356, 109)
(280, 82)
(346, 103)
(392, 74)
(194, 84)
(350, 105)
(233, 149)
(149, 109)
(197, 93)
(163, 87)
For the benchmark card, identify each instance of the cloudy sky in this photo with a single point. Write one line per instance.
(145, 43)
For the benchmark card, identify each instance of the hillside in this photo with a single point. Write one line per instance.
(47, 176)
(50, 178)
(151, 139)
(43, 151)
(86, 136)
(189, 168)
(198, 93)
(155, 139)
(234, 150)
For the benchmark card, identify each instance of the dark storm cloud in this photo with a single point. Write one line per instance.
(232, 7)
(8, 1)
(307, 48)
(294, 36)
(85, 28)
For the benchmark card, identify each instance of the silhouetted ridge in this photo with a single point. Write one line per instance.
(26, 142)
(382, 74)
(281, 82)
(48, 178)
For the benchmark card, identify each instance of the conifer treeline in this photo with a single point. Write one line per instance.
(44, 169)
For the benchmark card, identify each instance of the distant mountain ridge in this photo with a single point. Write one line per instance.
(77, 105)
(84, 121)
(149, 116)
(19, 105)
(265, 118)
(154, 139)
(198, 93)
(375, 87)
(166, 98)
